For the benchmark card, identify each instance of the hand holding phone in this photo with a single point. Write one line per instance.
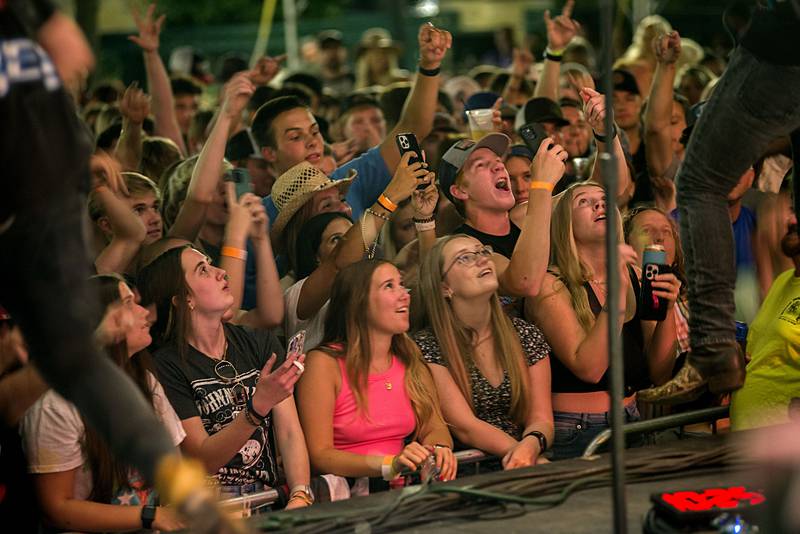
(295, 346)
(407, 142)
(241, 178)
(533, 134)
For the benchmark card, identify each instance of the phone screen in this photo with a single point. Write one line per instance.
(296, 344)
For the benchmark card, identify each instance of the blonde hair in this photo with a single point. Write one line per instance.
(137, 184)
(456, 339)
(565, 260)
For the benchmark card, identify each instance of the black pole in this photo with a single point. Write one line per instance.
(609, 168)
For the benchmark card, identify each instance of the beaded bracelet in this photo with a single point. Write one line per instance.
(376, 214)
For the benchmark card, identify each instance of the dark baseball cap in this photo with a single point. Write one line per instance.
(329, 38)
(625, 81)
(520, 151)
(241, 146)
(454, 159)
(542, 109)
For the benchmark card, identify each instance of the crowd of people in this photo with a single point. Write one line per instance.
(453, 299)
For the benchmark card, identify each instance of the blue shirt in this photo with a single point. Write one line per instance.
(373, 177)
(743, 228)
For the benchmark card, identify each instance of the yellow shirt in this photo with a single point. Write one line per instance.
(773, 374)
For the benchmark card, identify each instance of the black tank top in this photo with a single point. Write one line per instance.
(636, 373)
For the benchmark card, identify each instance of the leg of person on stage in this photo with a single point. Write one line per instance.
(753, 104)
(45, 266)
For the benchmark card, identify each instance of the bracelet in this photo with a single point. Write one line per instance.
(542, 185)
(250, 418)
(441, 446)
(424, 219)
(387, 469)
(301, 495)
(554, 55)
(376, 214)
(606, 138)
(386, 203)
(424, 227)
(233, 252)
(428, 72)
(541, 438)
(252, 410)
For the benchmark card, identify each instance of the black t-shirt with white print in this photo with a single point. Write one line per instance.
(195, 390)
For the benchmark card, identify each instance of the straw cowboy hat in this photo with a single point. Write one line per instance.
(295, 187)
(376, 38)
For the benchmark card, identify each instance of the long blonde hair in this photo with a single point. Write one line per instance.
(564, 258)
(347, 337)
(456, 339)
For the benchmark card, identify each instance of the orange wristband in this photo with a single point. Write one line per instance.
(386, 203)
(233, 252)
(542, 185)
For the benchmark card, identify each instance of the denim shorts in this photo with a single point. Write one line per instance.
(574, 431)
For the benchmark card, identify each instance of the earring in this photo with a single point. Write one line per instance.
(191, 306)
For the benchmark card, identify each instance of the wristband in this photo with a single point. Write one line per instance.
(428, 72)
(424, 219)
(233, 252)
(148, 516)
(441, 446)
(540, 438)
(387, 468)
(553, 55)
(425, 226)
(606, 138)
(251, 418)
(386, 203)
(542, 185)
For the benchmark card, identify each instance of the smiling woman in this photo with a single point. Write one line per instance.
(366, 388)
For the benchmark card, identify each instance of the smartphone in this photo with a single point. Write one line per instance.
(407, 142)
(533, 133)
(241, 178)
(294, 347)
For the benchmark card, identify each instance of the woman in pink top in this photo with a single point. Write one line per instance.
(366, 388)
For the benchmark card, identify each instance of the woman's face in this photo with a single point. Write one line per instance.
(403, 230)
(388, 301)
(588, 214)
(467, 275)
(328, 201)
(331, 236)
(651, 227)
(208, 285)
(137, 336)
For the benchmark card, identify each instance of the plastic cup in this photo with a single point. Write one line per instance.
(480, 122)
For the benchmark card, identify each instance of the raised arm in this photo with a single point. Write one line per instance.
(560, 32)
(158, 83)
(208, 171)
(594, 108)
(658, 142)
(424, 203)
(135, 107)
(523, 274)
(420, 106)
(520, 66)
(317, 288)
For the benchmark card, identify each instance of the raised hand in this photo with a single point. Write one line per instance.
(433, 45)
(594, 109)
(424, 201)
(273, 387)
(106, 171)
(135, 104)
(562, 29)
(239, 217)
(667, 47)
(548, 163)
(266, 68)
(344, 151)
(406, 178)
(237, 94)
(521, 62)
(149, 29)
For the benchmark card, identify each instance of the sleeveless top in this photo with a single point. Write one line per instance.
(636, 373)
(388, 419)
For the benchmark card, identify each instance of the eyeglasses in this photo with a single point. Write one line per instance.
(226, 372)
(468, 259)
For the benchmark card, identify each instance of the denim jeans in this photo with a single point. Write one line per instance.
(753, 104)
(44, 270)
(574, 431)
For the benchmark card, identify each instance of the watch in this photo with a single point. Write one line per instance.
(303, 488)
(540, 437)
(148, 516)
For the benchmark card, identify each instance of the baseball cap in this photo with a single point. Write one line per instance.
(540, 109)
(329, 38)
(242, 145)
(625, 81)
(454, 159)
(520, 151)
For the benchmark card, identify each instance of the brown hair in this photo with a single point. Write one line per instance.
(108, 473)
(347, 337)
(159, 282)
(457, 340)
(158, 154)
(137, 184)
(678, 267)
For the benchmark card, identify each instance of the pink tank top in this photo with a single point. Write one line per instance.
(390, 415)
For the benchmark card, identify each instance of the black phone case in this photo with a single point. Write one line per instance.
(533, 134)
(407, 142)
